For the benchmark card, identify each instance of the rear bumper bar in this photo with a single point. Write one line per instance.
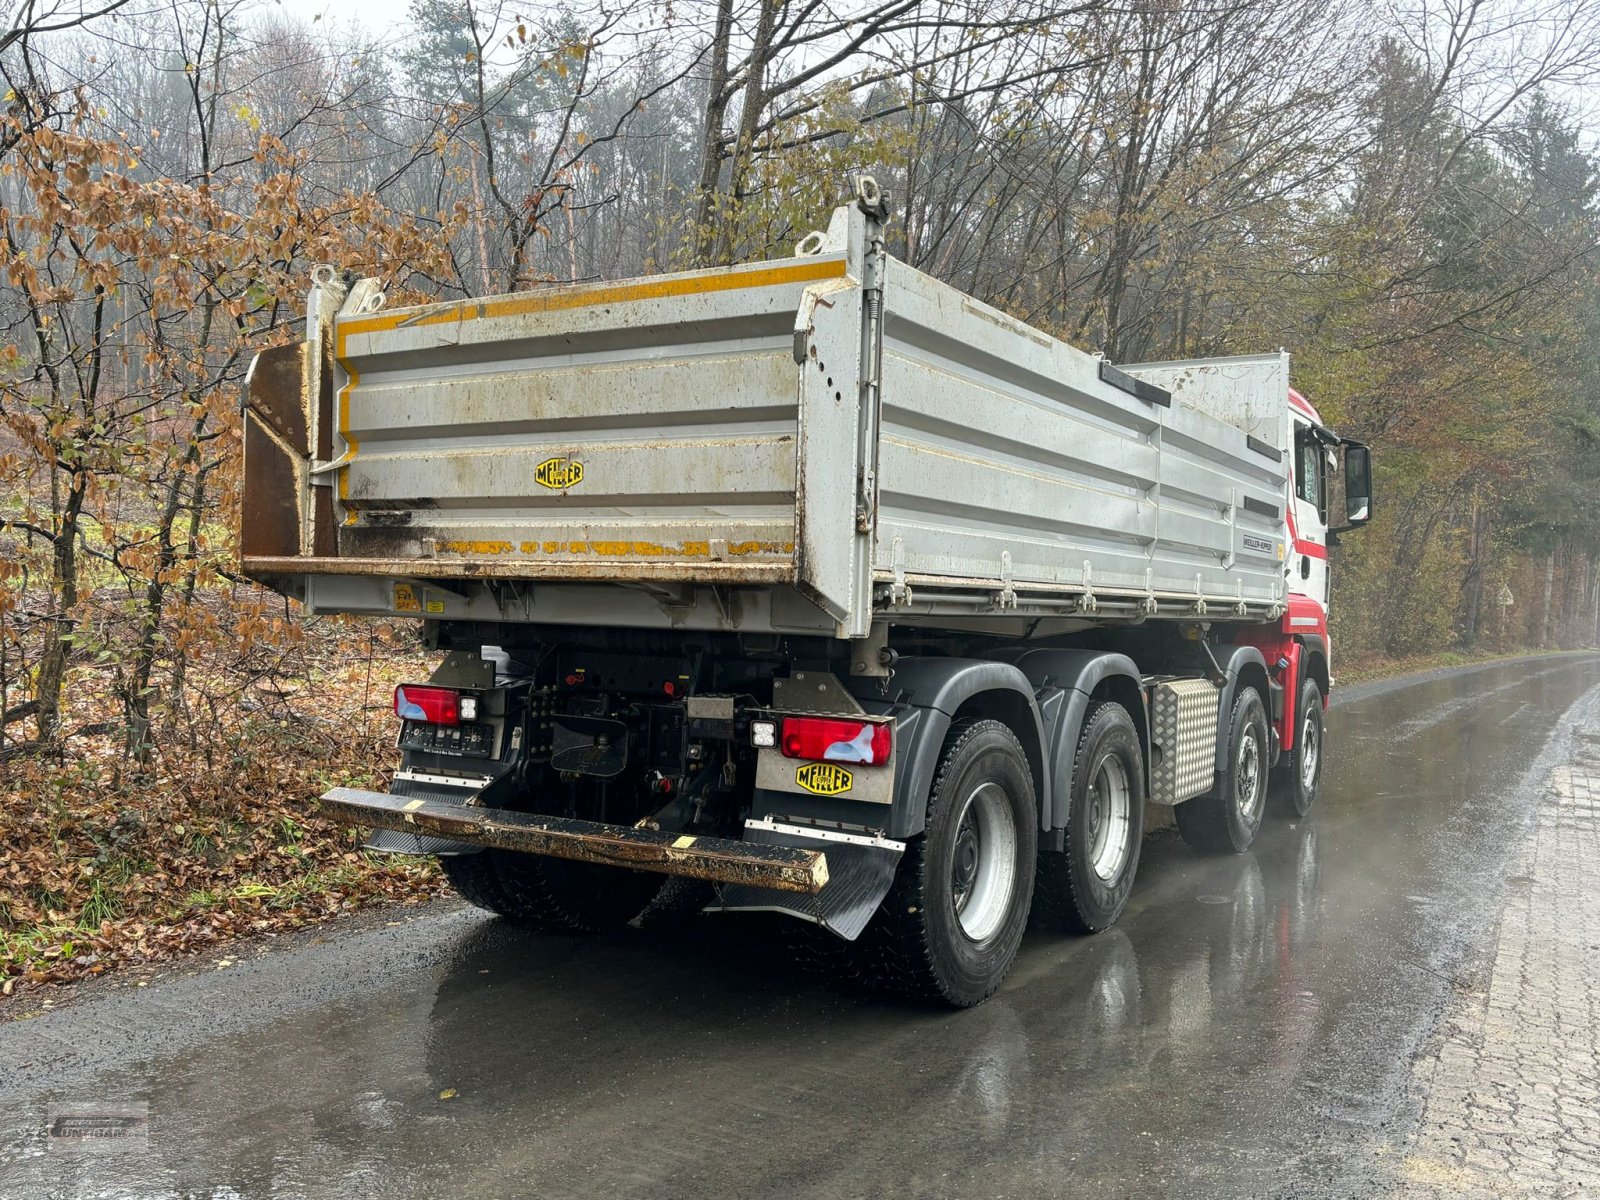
(720, 860)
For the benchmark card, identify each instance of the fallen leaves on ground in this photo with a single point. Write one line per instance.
(110, 863)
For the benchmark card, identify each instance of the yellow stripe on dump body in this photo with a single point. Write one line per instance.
(610, 549)
(560, 299)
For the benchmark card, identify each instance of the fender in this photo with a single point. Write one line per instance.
(1239, 661)
(1305, 653)
(1070, 678)
(1311, 651)
(924, 695)
(1316, 646)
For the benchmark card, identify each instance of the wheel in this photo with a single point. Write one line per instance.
(1085, 885)
(551, 895)
(950, 926)
(1226, 819)
(555, 895)
(1298, 778)
(474, 878)
(678, 902)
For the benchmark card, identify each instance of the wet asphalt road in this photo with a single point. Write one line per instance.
(1247, 1030)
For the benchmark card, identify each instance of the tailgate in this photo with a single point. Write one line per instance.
(650, 424)
(699, 428)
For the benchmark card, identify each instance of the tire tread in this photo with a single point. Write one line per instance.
(519, 888)
(1204, 820)
(1284, 792)
(894, 954)
(1055, 899)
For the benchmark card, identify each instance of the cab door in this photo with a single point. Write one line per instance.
(1308, 509)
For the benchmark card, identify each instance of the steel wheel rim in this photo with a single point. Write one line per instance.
(983, 866)
(1110, 813)
(1310, 753)
(1248, 776)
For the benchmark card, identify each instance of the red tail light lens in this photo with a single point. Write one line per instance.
(867, 743)
(433, 705)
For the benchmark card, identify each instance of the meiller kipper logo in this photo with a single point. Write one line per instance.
(559, 473)
(825, 779)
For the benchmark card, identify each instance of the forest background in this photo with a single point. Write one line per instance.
(1402, 195)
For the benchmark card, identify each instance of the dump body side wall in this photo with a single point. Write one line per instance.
(1006, 456)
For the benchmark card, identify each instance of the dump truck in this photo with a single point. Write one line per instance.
(814, 581)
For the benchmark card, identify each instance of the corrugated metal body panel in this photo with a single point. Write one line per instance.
(634, 424)
(998, 439)
(1183, 730)
(1006, 457)
(1205, 462)
(1214, 545)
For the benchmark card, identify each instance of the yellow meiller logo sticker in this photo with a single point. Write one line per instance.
(559, 473)
(825, 779)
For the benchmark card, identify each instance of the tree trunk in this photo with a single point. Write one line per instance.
(1593, 631)
(191, 580)
(64, 581)
(1577, 602)
(1544, 610)
(1475, 572)
(717, 97)
(755, 100)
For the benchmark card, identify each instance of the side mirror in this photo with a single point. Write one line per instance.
(1357, 483)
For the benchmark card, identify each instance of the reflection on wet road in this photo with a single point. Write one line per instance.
(1246, 1030)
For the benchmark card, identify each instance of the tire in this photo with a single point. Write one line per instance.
(678, 903)
(1084, 886)
(949, 929)
(1297, 780)
(1227, 818)
(474, 878)
(551, 895)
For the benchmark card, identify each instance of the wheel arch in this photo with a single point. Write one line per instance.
(1244, 668)
(928, 696)
(1070, 682)
(1316, 667)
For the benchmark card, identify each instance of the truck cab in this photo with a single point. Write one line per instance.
(1318, 457)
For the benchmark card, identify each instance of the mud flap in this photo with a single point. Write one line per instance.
(860, 873)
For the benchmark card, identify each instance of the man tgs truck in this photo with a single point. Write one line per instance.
(815, 580)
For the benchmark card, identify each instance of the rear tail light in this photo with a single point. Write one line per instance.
(432, 705)
(867, 743)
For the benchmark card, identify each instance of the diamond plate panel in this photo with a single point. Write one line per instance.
(1183, 730)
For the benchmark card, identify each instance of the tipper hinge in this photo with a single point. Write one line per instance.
(1006, 597)
(899, 590)
(1147, 604)
(1087, 602)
